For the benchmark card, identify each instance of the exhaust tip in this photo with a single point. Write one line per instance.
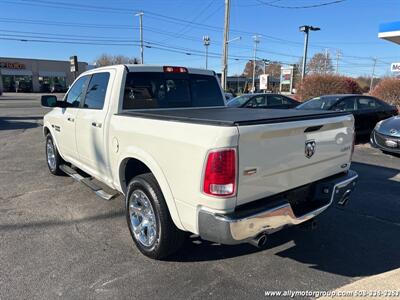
(259, 241)
(344, 198)
(262, 241)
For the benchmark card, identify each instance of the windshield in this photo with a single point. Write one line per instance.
(144, 90)
(319, 103)
(238, 101)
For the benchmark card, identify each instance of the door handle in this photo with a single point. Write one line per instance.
(98, 125)
(71, 119)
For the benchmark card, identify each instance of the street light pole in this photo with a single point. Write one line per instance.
(256, 39)
(206, 41)
(140, 15)
(224, 72)
(306, 29)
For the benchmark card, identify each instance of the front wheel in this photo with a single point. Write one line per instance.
(53, 158)
(149, 221)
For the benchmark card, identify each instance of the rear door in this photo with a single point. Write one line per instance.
(65, 130)
(90, 134)
(367, 114)
(278, 157)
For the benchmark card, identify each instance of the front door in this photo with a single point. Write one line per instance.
(90, 125)
(65, 127)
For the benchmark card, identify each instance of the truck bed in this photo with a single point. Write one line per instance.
(226, 116)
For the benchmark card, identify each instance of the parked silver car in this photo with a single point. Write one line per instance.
(386, 135)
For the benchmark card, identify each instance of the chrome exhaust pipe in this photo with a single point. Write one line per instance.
(259, 241)
(344, 198)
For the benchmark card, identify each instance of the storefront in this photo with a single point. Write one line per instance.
(36, 75)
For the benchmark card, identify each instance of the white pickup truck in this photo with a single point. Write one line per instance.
(163, 137)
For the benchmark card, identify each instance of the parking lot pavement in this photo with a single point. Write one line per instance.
(59, 240)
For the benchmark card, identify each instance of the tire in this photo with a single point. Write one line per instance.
(158, 238)
(53, 158)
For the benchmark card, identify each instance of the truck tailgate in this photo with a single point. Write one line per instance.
(281, 156)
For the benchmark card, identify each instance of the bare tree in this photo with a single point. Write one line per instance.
(320, 64)
(107, 60)
(274, 69)
(248, 69)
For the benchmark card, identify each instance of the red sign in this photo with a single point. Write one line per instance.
(11, 65)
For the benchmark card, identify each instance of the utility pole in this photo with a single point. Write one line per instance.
(373, 74)
(256, 39)
(306, 29)
(206, 42)
(140, 15)
(224, 72)
(326, 60)
(338, 54)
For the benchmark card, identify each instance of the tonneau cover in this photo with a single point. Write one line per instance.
(226, 116)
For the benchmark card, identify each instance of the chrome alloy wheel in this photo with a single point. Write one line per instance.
(142, 218)
(51, 156)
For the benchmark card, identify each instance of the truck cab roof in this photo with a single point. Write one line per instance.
(157, 68)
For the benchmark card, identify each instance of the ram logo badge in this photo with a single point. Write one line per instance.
(310, 148)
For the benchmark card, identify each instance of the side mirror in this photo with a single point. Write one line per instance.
(49, 101)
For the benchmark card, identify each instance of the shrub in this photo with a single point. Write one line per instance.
(388, 90)
(318, 85)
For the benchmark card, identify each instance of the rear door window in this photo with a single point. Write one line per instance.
(96, 91)
(366, 103)
(146, 90)
(276, 100)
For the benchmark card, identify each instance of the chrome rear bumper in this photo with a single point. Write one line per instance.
(242, 226)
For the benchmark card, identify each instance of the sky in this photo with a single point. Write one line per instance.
(173, 31)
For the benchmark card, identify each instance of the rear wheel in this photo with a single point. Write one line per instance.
(53, 158)
(149, 221)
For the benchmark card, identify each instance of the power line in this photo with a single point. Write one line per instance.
(187, 28)
(65, 5)
(301, 7)
(152, 29)
(113, 38)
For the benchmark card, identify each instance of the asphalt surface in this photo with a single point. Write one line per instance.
(59, 240)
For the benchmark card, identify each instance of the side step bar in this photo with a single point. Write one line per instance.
(88, 182)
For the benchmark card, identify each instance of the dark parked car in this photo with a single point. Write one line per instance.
(45, 88)
(367, 110)
(24, 87)
(58, 88)
(386, 135)
(263, 101)
(228, 96)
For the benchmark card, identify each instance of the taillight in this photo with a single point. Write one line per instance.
(220, 173)
(168, 69)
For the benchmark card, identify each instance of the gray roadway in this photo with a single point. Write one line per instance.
(57, 239)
